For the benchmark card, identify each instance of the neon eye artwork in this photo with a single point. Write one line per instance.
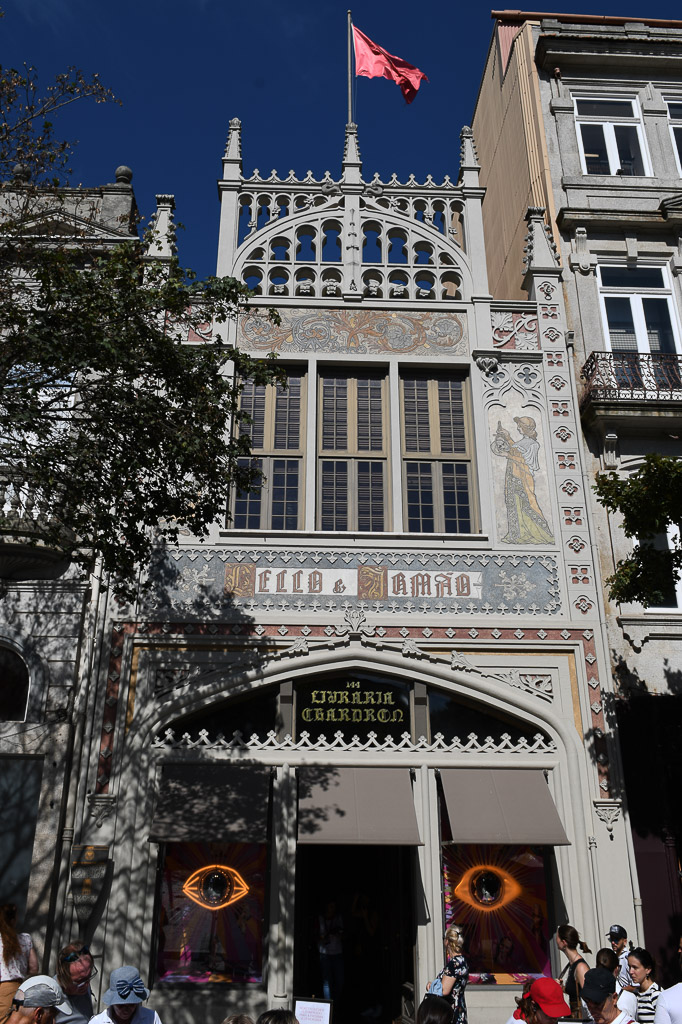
(487, 887)
(215, 886)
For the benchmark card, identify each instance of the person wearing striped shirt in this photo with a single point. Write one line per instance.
(642, 969)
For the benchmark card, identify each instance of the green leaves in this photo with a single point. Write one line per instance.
(649, 501)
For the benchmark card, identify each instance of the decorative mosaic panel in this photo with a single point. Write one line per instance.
(383, 582)
(361, 331)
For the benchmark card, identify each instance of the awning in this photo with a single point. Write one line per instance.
(212, 803)
(505, 805)
(359, 806)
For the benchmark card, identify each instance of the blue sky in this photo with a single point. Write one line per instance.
(183, 68)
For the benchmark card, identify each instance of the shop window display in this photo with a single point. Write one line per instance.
(499, 895)
(211, 913)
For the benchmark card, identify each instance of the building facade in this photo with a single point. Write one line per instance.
(382, 683)
(585, 111)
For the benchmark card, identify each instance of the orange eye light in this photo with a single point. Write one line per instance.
(215, 886)
(487, 888)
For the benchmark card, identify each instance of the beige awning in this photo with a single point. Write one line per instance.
(501, 805)
(359, 806)
(212, 803)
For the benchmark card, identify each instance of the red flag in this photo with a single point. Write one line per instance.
(373, 61)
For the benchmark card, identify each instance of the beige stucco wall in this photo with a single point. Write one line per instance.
(511, 147)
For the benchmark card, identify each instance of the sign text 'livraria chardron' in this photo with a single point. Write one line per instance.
(355, 704)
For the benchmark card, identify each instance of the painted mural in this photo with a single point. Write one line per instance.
(498, 895)
(360, 331)
(212, 906)
(521, 518)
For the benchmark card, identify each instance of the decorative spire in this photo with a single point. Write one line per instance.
(352, 163)
(540, 251)
(232, 160)
(469, 166)
(162, 245)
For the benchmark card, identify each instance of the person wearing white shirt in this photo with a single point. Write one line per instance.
(123, 1000)
(669, 1006)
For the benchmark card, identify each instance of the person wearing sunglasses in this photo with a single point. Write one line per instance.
(75, 970)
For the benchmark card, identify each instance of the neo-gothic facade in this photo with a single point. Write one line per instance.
(383, 681)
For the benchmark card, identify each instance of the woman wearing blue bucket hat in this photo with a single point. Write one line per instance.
(123, 1000)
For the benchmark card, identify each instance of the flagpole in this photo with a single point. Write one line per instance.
(350, 72)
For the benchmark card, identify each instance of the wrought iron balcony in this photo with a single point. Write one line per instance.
(24, 515)
(634, 377)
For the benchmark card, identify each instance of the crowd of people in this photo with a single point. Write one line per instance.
(620, 988)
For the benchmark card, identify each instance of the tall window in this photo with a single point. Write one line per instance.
(277, 437)
(675, 119)
(436, 455)
(352, 466)
(640, 325)
(609, 136)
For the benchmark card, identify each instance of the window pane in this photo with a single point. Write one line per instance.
(604, 108)
(288, 415)
(370, 496)
(416, 412)
(658, 327)
(632, 277)
(594, 147)
(334, 414)
(627, 140)
(666, 578)
(675, 110)
(677, 132)
(621, 325)
(247, 504)
(284, 484)
(334, 495)
(457, 511)
(252, 402)
(451, 416)
(370, 425)
(420, 516)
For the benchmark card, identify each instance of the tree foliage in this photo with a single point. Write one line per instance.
(649, 501)
(114, 431)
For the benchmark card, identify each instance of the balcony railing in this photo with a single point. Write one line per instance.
(25, 512)
(632, 377)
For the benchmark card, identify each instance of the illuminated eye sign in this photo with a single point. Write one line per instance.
(487, 887)
(215, 886)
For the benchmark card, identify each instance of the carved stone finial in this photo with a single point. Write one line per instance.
(232, 160)
(468, 157)
(540, 251)
(352, 162)
(123, 175)
(162, 245)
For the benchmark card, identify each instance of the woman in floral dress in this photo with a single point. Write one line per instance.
(456, 974)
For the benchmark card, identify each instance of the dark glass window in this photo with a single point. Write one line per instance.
(632, 277)
(604, 108)
(352, 489)
(14, 683)
(276, 440)
(437, 488)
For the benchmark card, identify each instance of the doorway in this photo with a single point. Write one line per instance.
(372, 888)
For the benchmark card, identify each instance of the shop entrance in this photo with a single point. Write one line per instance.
(373, 890)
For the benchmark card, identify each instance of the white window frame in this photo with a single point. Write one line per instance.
(609, 135)
(673, 123)
(636, 295)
